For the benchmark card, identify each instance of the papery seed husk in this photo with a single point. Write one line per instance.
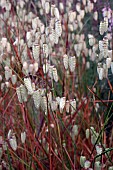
(28, 85)
(82, 161)
(23, 137)
(13, 143)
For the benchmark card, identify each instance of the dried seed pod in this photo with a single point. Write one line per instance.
(95, 15)
(65, 61)
(7, 74)
(98, 149)
(44, 103)
(35, 23)
(47, 31)
(13, 142)
(47, 7)
(19, 94)
(9, 134)
(25, 65)
(4, 42)
(49, 95)
(72, 63)
(8, 47)
(35, 67)
(2, 86)
(33, 86)
(52, 10)
(52, 36)
(100, 45)
(56, 39)
(75, 130)
(67, 106)
(99, 66)
(14, 79)
(23, 92)
(37, 98)
(42, 28)
(56, 13)
(102, 28)
(82, 161)
(23, 137)
(87, 164)
(87, 133)
(37, 38)
(45, 50)
(7, 84)
(73, 105)
(28, 35)
(36, 52)
(52, 23)
(62, 104)
(51, 71)
(55, 75)
(93, 139)
(108, 62)
(61, 7)
(98, 165)
(72, 16)
(58, 28)
(101, 74)
(46, 67)
(91, 39)
(105, 42)
(28, 85)
(54, 105)
(31, 67)
(105, 24)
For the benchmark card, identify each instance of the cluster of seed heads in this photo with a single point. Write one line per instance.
(105, 53)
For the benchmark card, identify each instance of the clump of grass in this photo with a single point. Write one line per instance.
(50, 110)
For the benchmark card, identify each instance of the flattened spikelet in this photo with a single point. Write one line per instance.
(58, 28)
(52, 36)
(13, 143)
(105, 24)
(54, 105)
(45, 50)
(14, 79)
(37, 98)
(28, 85)
(62, 104)
(23, 137)
(65, 61)
(44, 103)
(51, 71)
(46, 67)
(23, 92)
(55, 75)
(19, 94)
(72, 63)
(36, 51)
(73, 105)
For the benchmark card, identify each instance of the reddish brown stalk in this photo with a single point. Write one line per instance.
(69, 157)
(97, 96)
(9, 103)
